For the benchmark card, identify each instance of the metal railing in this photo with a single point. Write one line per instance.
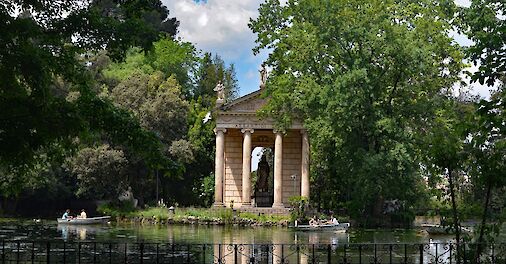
(100, 252)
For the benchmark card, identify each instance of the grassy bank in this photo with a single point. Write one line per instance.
(192, 215)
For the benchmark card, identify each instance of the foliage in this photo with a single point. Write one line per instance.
(484, 23)
(445, 151)
(178, 59)
(37, 50)
(156, 102)
(211, 71)
(99, 172)
(298, 204)
(160, 88)
(202, 214)
(41, 62)
(104, 84)
(364, 76)
(116, 209)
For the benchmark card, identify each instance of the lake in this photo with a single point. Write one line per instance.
(12, 229)
(207, 244)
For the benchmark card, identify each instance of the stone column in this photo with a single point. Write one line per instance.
(278, 170)
(219, 169)
(246, 167)
(304, 181)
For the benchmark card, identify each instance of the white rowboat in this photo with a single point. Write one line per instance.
(341, 227)
(84, 221)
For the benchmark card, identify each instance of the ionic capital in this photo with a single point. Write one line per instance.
(218, 129)
(244, 130)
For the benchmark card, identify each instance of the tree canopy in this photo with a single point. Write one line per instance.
(44, 41)
(366, 77)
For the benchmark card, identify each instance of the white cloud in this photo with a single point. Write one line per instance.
(251, 74)
(483, 90)
(219, 26)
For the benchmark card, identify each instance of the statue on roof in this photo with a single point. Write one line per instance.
(263, 76)
(220, 90)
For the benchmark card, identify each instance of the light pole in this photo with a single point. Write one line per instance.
(157, 179)
(294, 178)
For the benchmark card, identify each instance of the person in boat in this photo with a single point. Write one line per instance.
(313, 221)
(66, 215)
(332, 221)
(83, 214)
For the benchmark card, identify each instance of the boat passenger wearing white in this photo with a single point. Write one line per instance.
(313, 221)
(334, 221)
(83, 214)
(66, 215)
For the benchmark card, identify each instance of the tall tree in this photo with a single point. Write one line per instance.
(445, 153)
(484, 23)
(42, 44)
(363, 75)
(211, 71)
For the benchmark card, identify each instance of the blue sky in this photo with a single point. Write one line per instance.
(221, 26)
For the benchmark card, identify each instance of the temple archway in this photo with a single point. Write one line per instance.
(262, 178)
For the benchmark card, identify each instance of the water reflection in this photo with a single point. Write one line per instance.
(79, 232)
(236, 235)
(197, 234)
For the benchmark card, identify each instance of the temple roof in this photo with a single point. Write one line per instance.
(249, 103)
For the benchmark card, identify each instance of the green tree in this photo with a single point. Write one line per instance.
(211, 71)
(445, 153)
(484, 23)
(99, 172)
(488, 149)
(168, 56)
(44, 45)
(363, 76)
(156, 102)
(161, 109)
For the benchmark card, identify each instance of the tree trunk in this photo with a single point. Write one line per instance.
(456, 223)
(1, 205)
(479, 246)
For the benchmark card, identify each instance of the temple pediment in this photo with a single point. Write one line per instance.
(242, 113)
(250, 103)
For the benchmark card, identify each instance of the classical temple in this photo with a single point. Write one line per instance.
(238, 131)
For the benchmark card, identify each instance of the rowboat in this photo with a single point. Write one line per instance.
(84, 221)
(341, 227)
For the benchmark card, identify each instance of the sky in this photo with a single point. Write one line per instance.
(221, 27)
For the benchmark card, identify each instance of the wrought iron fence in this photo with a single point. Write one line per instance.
(99, 252)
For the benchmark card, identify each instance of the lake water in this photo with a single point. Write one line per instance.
(201, 234)
(121, 243)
